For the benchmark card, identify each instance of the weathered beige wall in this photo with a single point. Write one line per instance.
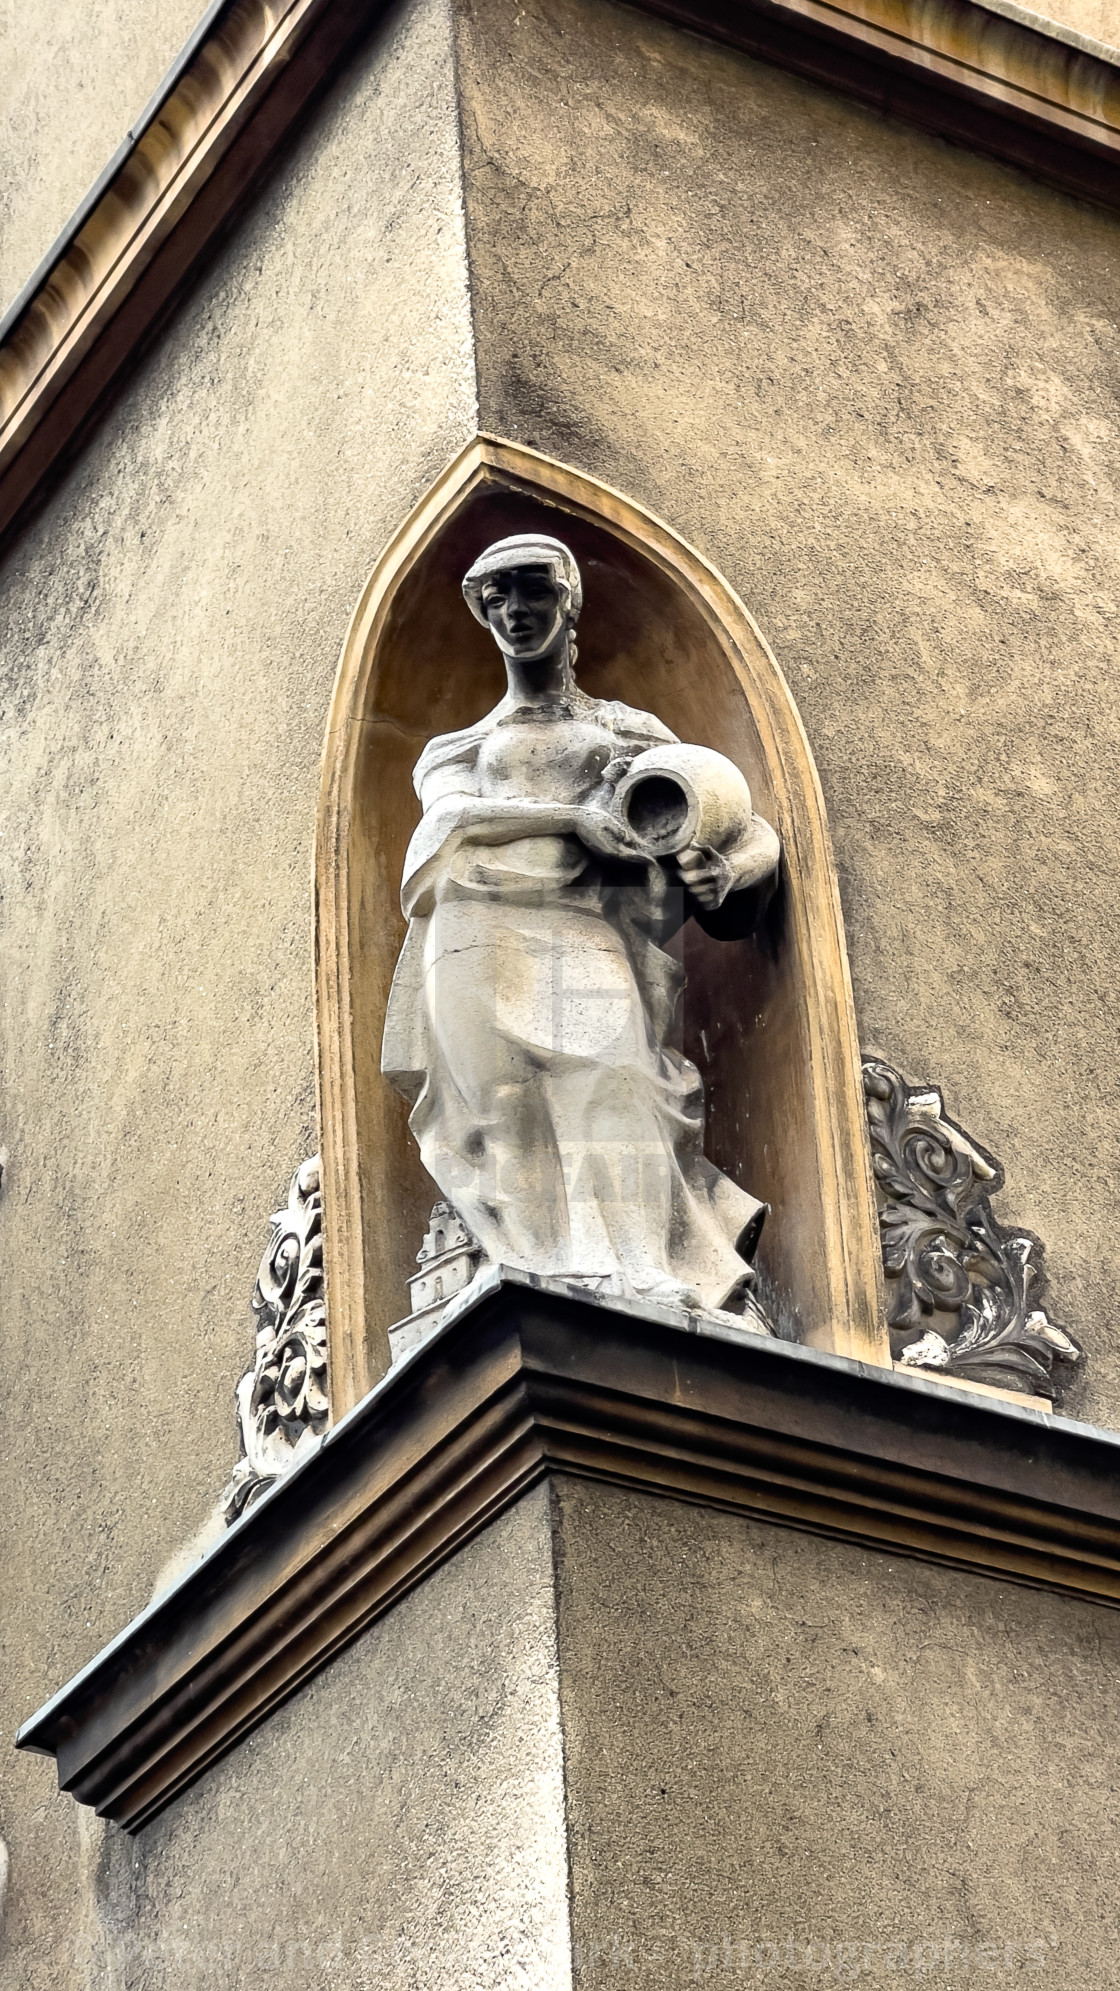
(172, 627)
(785, 1741)
(871, 376)
(630, 1743)
(397, 1827)
(74, 76)
(874, 378)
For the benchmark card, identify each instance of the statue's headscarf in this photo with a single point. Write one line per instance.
(526, 549)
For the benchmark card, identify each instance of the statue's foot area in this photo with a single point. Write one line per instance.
(743, 1312)
(751, 1318)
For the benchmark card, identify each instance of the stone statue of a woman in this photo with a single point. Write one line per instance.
(530, 1016)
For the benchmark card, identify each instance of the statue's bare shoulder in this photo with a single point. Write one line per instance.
(452, 756)
(641, 727)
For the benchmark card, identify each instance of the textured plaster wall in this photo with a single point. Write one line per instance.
(171, 630)
(630, 1744)
(397, 1827)
(74, 76)
(814, 1765)
(874, 378)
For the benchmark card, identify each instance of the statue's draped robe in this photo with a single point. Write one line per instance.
(529, 1025)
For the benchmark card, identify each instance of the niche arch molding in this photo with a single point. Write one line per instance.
(769, 1020)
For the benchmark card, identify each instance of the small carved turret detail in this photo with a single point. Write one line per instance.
(282, 1406)
(964, 1294)
(448, 1260)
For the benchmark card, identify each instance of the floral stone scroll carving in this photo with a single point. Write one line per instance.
(964, 1293)
(282, 1405)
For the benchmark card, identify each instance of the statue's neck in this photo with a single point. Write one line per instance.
(544, 679)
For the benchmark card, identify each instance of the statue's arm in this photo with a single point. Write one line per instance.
(729, 890)
(454, 818)
(504, 818)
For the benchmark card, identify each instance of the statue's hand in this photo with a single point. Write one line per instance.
(605, 833)
(704, 873)
(615, 769)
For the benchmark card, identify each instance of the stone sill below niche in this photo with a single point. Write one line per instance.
(524, 1380)
(1021, 1397)
(402, 1332)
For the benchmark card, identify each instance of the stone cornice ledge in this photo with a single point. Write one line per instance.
(236, 89)
(527, 1380)
(986, 72)
(991, 75)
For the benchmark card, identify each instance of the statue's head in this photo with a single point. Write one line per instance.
(527, 591)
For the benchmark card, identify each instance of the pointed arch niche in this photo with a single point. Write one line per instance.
(769, 1020)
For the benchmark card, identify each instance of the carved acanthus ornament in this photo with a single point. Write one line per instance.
(964, 1293)
(282, 1405)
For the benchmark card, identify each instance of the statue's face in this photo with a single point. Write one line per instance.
(524, 610)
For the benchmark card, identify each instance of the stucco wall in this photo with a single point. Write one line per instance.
(631, 1744)
(172, 627)
(873, 377)
(397, 1827)
(75, 76)
(816, 1765)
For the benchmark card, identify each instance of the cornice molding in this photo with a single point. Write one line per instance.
(527, 1380)
(984, 72)
(240, 84)
(992, 76)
